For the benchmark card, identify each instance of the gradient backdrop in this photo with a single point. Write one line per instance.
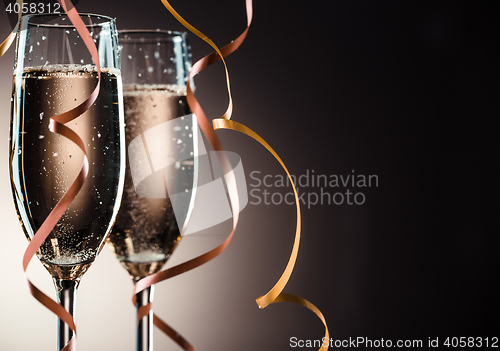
(401, 90)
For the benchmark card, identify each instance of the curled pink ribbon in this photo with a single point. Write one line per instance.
(275, 295)
(209, 132)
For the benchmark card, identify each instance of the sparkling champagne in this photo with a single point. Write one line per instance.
(44, 164)
(146, 231)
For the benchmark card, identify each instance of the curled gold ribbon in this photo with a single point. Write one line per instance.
(10, 38)
(57, 125)
(275, 295)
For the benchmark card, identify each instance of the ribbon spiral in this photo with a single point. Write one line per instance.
(275, 294)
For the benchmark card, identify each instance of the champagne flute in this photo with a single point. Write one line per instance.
(54, 73)
(161, 138)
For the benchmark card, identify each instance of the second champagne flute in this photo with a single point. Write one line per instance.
(161, 138)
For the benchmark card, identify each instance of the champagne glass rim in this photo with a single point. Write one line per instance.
(153, 35)
(98, 20)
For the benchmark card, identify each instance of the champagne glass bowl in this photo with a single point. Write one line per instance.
(161, 138)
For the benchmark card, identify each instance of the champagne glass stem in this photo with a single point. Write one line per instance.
(145, 324)
(66, 291)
